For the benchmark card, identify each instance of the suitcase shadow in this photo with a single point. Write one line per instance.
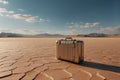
(101, 66)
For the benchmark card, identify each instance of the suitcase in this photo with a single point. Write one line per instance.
(70, 50)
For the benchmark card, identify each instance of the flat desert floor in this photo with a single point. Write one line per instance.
(34, 59)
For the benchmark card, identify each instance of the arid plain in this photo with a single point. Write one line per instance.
(34, 59)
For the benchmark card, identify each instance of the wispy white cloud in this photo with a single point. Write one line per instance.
(72, 31)
(90, 25)
(83, 25)
(76, 27)
(43, 20)
(26, 17)
(21, 10)
(4, 29)
(34, 31)
(30, 31)
(115, 29)
(1, 14)
(21, 31)
(12, 14)
(4, 2)
(4, 10)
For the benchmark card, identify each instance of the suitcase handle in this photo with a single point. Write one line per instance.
(68, 38)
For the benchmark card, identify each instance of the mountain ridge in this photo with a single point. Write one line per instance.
(5, 34)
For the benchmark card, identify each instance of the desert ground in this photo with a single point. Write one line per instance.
(35, 59)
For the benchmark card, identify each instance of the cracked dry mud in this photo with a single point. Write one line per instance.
(34, 59)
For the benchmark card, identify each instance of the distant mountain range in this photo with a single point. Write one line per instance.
(4, 34)
(46, 34)
(96, 35)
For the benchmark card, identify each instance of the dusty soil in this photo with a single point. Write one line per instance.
(34, 59)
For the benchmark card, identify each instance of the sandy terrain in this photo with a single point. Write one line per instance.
(34, 59)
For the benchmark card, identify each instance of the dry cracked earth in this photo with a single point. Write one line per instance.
(34, 59)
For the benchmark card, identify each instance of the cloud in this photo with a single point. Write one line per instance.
(83, 25)
(4, 29)
(25, 17)
(22, 31)
(43, 20)
(1, 14)
(21, 10)
(29, 18)
(34, 31)
(4, 10)
(110, 29)
(90, 25)
(78, 27)
(4, 2)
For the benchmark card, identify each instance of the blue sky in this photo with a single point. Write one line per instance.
(60, 16)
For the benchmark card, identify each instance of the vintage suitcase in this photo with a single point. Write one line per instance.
(70, 49)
